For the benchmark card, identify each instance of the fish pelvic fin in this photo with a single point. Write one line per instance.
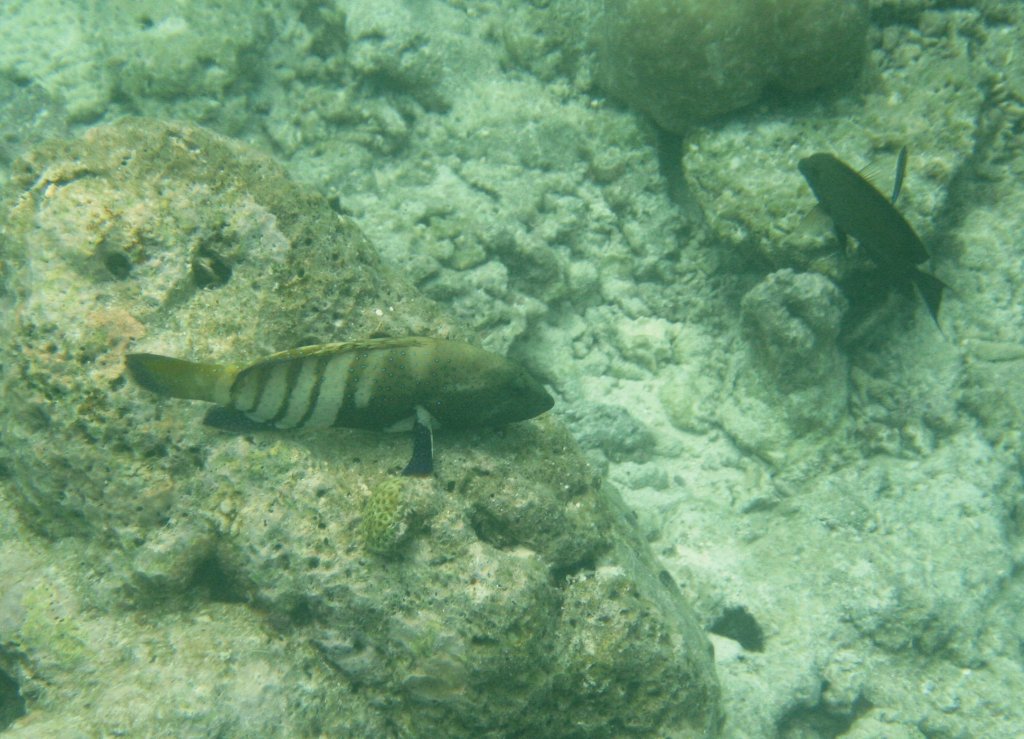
(179, 378)
(422, 462)
(931, 289)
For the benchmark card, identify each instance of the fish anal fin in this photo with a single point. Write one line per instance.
(228, 419)
(931, 289)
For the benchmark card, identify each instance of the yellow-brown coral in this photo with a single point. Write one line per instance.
(383, 525)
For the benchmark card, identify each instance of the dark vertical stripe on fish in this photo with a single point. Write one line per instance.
(356, 368)
(272, 393)
(319, 368)
(247, 389)
(291, 379)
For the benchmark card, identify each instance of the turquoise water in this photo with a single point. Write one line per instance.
(803, 469)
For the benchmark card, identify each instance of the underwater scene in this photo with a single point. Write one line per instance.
(512, 368)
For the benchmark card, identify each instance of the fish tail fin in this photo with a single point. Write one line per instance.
(178, 378)
(931, 288)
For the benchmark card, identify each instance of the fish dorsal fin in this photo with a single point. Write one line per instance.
(874, 174)
(359, 345)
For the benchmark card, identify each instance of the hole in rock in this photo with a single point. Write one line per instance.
(737, 624)
(214, 583)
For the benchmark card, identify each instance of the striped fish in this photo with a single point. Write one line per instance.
(376, 384)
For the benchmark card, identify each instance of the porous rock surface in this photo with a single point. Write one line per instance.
(162, 578)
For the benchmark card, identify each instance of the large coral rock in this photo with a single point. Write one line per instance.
(296, 577)
(687, 60)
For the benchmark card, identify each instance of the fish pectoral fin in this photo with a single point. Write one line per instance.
(815, 223)
(405, 424)
(421, 463)
(931, 288)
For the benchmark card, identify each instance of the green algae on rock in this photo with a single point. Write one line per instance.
(683, 61)
(515, 598)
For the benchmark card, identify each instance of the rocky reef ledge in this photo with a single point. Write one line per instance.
(160, 578)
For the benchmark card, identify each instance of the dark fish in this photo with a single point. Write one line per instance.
(377, 384)
(859, 210)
